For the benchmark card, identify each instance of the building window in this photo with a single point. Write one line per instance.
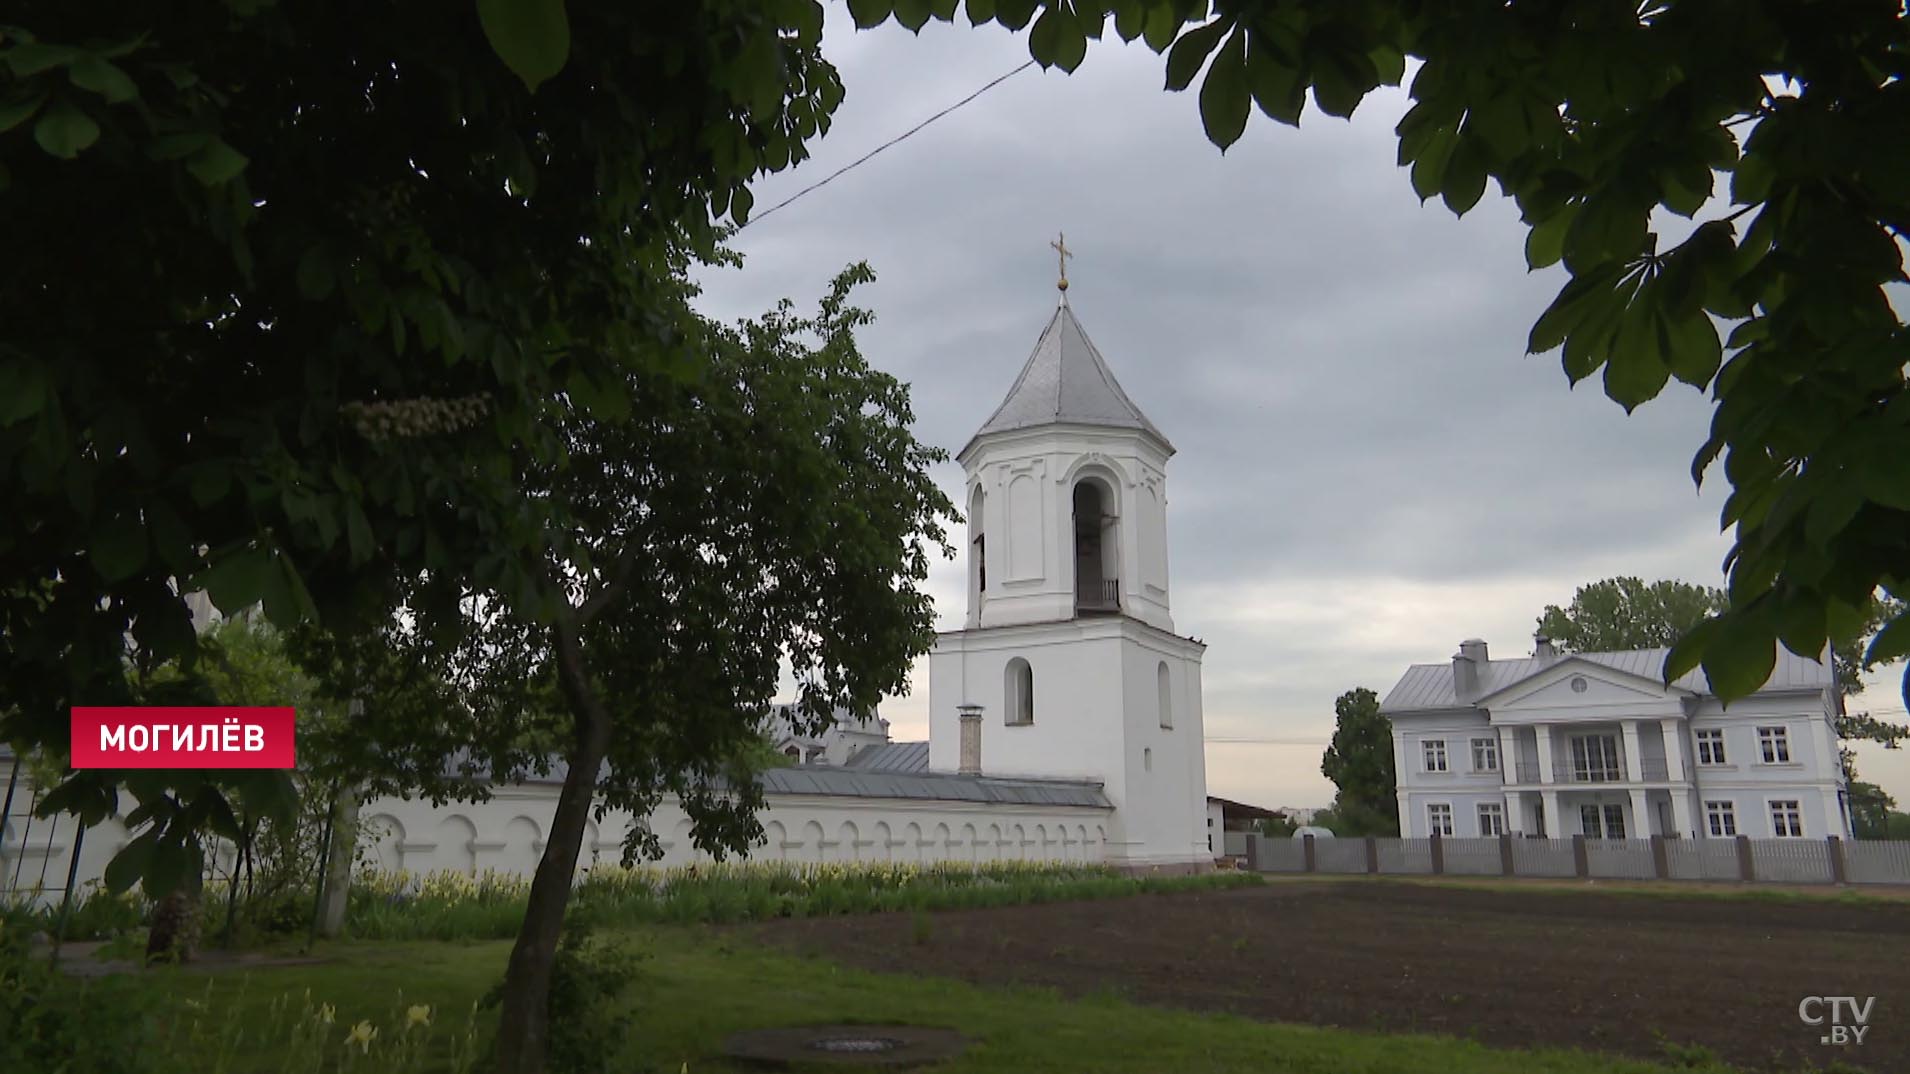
(1164, 687)
(1485, 755)
(1021, 692)
(1775, 744)
(1710, 746)
(1602, 822)
(1721, 818)
(1595, 759)
(1435, 754)
(1787, 821)
(1439, 819)
(1491, 818)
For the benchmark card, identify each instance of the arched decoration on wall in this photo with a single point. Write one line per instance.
(1153, 527)
(812, 848)
(977, 541)
(774, 836)
(1025, 528)
(683, 843)
(1041, 843)
(911, 842)
(1017, 843)
(940, 848)
(455, 853)
(588, 853)
(882, 851)
(1095, 536)
(991, 844)
(523, 845)
(847, 836)
(1164, 692)
(1018, 692)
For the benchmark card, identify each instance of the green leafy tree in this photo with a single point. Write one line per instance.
(294, 297)
(1277, 827)
(1360, 762)
(1870, 808)
(651, 678)
(1608, 125)
(1625, 613)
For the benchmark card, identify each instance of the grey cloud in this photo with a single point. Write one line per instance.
(1369, 466)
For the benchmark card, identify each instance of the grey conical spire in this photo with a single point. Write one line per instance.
(1067, 382)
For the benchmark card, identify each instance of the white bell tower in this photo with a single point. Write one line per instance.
(1069, 646)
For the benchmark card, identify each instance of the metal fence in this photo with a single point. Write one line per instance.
(1783, 861)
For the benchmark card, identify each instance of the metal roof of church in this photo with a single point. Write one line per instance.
(1066, 381)
(892, 757)
(1430, 686)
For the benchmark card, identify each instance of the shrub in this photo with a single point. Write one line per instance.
(446, 906)
(52, 1022)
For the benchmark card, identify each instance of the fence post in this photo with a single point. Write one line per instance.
(1581, 861)
(1256, 858)
(1747, 868)
(1307, 847)
(1372, 854)
(1837, 869)
(1660, 858)
(1438, 855)
(1505, 854)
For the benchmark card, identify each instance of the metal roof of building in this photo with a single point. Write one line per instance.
(1066, 381)
(858, 782)
(934, 786)
(1430, 686)
(892, 757)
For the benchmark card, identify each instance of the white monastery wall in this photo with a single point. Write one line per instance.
(508, 831)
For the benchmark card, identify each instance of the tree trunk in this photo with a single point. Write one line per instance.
(174, 935)
(336, 874)
(524, 1022)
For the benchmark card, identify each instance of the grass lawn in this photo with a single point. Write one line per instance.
(698, 985)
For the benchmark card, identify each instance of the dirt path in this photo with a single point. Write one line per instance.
(1618, 973)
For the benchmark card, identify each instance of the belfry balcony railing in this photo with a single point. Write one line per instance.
(1105, 597)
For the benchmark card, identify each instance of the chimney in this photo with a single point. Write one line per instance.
(1469, 669)
(971, 759)
(1542, 648)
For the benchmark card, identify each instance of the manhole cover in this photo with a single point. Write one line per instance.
(856, 1045)
(846, 1045)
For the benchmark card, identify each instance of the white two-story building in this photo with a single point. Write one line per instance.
(1597, 744)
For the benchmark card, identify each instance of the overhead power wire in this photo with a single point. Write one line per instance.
(898, 138)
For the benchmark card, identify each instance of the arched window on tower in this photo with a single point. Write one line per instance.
(978, 540)
(1020, 683)
(1097, 578)
(1164, 684)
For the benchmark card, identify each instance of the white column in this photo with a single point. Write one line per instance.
(1833, 818)
(1672, 728)
(1554, 823)
(1508, 764)
(1681, 812)
(1634, 770)
(1640, 827)
(1515, 813)
(1546, 775)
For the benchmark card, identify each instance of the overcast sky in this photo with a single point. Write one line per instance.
(1370, 468)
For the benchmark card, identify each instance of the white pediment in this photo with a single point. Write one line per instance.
(1574, 686)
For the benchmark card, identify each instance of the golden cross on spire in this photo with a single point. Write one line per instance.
(1062, 253)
